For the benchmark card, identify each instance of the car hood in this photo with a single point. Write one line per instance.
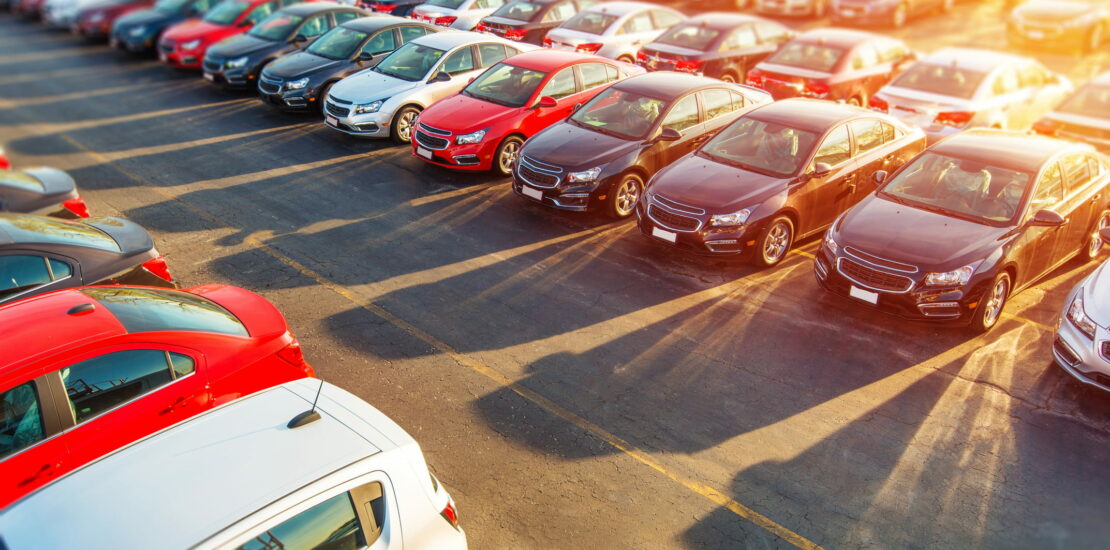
(368, 85)
(716, 187)
(301, 64)
(147, 17)
(572, 147)
(130, 236)
(193, 29)
(672, 51)
(241, 45)
(53, 181)
(1096, 295)
(910, 235)
(1055, 11)
(463, 114)
(505, 21)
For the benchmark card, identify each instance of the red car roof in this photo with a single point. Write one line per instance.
(36, 326)
(552, 60)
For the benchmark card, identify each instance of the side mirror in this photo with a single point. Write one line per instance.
(669, 134)
(576, 107)
(1048, 218)
(1104, 234)
(246, 23)
(547, 102)
(365, 56)
(440, 77)
(820, 170)
(472, 79)
(879, 177)
(300, 39)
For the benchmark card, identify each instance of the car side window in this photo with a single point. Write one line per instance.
(836, 148)
(717, 103)
(870, 134)
(459, 62)
(641, 22)
(865, 57)
(315, 26)
(1032, 76)
(22, 273)
(738, 100)
(562, 12)
(1006, 82)
(664, 19)
(561, 85)
(739, 39)
(891, 51)
(1094, 167)
(261, 12)
(771, 32)
(410, 33)
(20, 419)
(1050, 189)
(1075, 171)
(97, 385)
(491, 53)
(330, 524)
(593, 75)
(487, 4)
(381, 43)
(369, 500)
(201, 6)
(344, 16)
(683, 114)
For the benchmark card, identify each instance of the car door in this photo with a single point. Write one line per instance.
(1036, 245)
(27, 272)
(685, 118)
(29, 451)
(564, 89)
(1082, 202)
(118, 394)
(734, 52)
(873, 152)
(374, 50)
(637, 30)
(823, 198)
(314, 27)
(721, 107)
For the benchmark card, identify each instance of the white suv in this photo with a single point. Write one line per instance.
(244, 476)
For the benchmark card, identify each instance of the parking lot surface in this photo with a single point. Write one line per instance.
(571, 383)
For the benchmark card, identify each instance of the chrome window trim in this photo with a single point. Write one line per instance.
(869, 287)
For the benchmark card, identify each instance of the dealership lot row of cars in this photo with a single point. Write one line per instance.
(1011, 207)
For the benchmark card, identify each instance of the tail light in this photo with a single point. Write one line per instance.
(689, 65)
(954, 118)
(157, 266)
(879, 104)
(450, 514)
(446, 20)
(515, 34)
(547, 43)
(588, 48)
(77, 207)
(382, 8)
(815, 89)
(1045, 127)
(755, 78)
(482, 27)
(641, 57)
(4, 164)
(294, 355)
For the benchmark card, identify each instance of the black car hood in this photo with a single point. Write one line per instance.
(910, 235)
(573, 147)
(53, 181)
(301, 64)
(148, 17)
(716, 187)
(238, 46)
(130, 236)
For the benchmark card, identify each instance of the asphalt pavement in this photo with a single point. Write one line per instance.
(572, 384)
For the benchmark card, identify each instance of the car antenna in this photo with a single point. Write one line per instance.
(309, 416)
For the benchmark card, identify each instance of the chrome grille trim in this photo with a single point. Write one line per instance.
(660, 206)
(528, 163)
(430, 142)
(434, 131)
(678, 207)
(879, 262)
(908, 281)
(542, 166)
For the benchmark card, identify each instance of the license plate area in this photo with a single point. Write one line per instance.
(669, 236)
(865, 295)
(331, 121)
(424, 152)
(531, 193)
(210, 77)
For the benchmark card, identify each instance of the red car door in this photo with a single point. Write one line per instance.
(30, 453)
(563, 88)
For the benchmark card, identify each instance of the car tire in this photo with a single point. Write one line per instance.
(899, 16)
(404, 122)
(730, 76)
(624, 196)
(505, 156)
(991, 304)
(774, 242)
(857, 101)
(1092, 245)
(627, 59)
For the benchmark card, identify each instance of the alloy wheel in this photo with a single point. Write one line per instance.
(992, 308)
(404, 124)
(776, 242)
(508, 156)
(1094, 242)
(627, 196)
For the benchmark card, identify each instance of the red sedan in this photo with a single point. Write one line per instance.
(483, 126)
(184, 44)
(96, 20)
(97, 368)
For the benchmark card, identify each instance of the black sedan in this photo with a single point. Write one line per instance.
(600, 157)
(41, 191)
(969, 222)
(299, 81)
(529, 20)
(721, 45)
(779, 173)
(40, 254)
(138, 31)
(236, 62)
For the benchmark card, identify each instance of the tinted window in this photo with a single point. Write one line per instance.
(261, 12)
(22, 273)
(865, 57)
(521, 11)
(835, 149)
(181, 364)
(611, 73)
(451, 4)
(487, 4)
(665, 19)
(1006, 82)
(590, 22)
(339, 43)
(717, 103)
(276, 27)
(35, 229)
(870, 133)
(370, 499)
(640, 22)
(738, 100)
(1031, 76)
(344, 16)
(763, 147)
(1050, 188)
(382, 42)
(560, 13)
(683, 115)
(770, 32)
(330, 525)
(316, 26)
(20, 419)
(409, 62)
(593, 74)
(96, 385)
(491, 53)
(691, 36)
(739, 39)
(966, 188)
(619, 113)
(59, 269)
(940, 79)
(459, 62)
(148, 310)
(1090, 100)
(1094, 167)
(561, 85)
(891, 51)
(505, 84)
(1075, 171)
(408, 34)
(817, 57)
(226, 12)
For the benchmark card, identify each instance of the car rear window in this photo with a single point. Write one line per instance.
(41, 230)
(520, 11)
(806, 55)
(150, 310)
(20, 180)
(590, 22)
(940, 79)
(693, 36)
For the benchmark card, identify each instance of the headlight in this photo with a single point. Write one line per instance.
(956, 277)
(735, 218)
(1078, 316)
(831, 244)
(473, 137)
(237, 63)
(585, 176)
(190, 45)
(296, 84)
(371, 107)
(137, 31)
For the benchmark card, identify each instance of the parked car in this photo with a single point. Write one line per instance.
(385, 100)
(779, 173)
(236, 62)
(529, 20)
(95, 21)
(894, 13)
(98, 368)
(300, 81)
(1051, 24)
(398, 8)
(795, 8)
(463, 15)
(601, 156)
(957, 88)
(616, 30)
(1083, 328)
(968, 223)
(46, 191)
(39, 254)
(1084, 116)
(183, 45)
(348, 478)
(720, 45)
(28, 9)
(139, 31)
(62, 14)
(837, 64)
(483, 126)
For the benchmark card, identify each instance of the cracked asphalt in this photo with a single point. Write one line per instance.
(570, 383)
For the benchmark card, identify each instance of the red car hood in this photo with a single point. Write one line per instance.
(197, 28)
(462, 114)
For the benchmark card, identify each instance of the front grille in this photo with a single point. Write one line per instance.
(672, 220)
(434, 131)
(430, 141)
(167, 47)
(212, 66)
(678, 206)
(873, 278)
(533, 176)
(336, 110)
(269, 85)
(880, 262)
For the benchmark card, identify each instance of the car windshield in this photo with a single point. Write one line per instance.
(20, 180)
(940, 79)
(338, 43)
(172, 6)
(766, 147)
(806, 55)
(1090, 100)
(409, 62)
(151, 310)
(960, 188)
(226, 12)
(36, 229)
(590, 22)
(506, 85)
(691, 36)
(521, 11)
(276, 27)
(619, 113)
(449, 4)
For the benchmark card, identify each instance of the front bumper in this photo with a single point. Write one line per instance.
(123, 40)
(1077, 354)
(704, 241)
(473, 157)
(170, 55)
(368, 125)
(215, 72)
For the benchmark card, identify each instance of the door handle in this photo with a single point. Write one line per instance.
(46, 468)
(177, 404)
